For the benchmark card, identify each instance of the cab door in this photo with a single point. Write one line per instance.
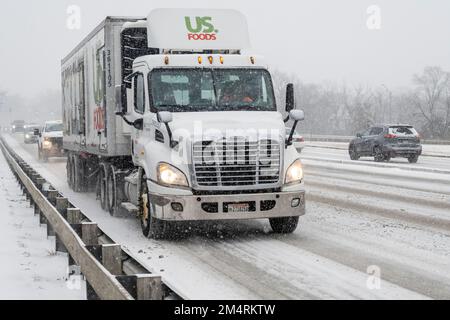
(139, 104)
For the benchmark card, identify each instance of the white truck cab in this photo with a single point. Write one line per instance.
(207, 141)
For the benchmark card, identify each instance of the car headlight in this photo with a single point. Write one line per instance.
(169, 175)
(294, 173)
(27, 136)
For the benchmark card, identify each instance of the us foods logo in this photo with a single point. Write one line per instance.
(200, 28)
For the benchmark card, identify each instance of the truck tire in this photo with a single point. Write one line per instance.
(152, 227)
(111, 191)
(69, 171)
(284, 225)
(78, 174)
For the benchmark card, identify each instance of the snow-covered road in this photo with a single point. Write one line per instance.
(360, 219)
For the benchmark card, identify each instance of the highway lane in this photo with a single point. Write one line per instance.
(358, 218)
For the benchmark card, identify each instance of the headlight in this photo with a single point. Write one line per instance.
(46, 144)
(27, 136)
(294, 174)
(170, 175)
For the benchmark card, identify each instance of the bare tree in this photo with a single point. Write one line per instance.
(429, 98)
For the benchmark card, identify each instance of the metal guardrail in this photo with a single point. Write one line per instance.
(110, 272)
(334, 138)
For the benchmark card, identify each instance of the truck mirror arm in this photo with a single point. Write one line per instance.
(122, 115)
(291, 134)
(172, 142)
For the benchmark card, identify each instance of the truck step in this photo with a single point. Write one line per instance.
(128, 206)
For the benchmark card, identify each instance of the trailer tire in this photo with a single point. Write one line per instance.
(111, 191)
(69, 171)
(284, 225)
(102, 185)
(78, 174)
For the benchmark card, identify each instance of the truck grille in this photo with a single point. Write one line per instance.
(58, 141)
(236, 162)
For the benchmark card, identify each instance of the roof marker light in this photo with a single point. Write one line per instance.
(252, 59)
(211, 59)
(166, 60)
(199, 60)
(221, 60)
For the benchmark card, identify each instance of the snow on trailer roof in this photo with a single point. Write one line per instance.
(197, 29)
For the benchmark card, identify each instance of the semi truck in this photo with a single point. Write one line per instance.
(171, 118)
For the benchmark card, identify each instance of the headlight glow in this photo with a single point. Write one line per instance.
(294, 173)
(27, 136)
(47, 144)
(169, 175)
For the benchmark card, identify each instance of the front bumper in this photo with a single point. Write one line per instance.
(214, 207)
(395, 151)
(53, 151)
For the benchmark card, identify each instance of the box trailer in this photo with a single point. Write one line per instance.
(167, 118)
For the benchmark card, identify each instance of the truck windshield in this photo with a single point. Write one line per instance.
(49, 127)
(179, 90)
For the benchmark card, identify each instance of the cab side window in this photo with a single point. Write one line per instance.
(139, 94)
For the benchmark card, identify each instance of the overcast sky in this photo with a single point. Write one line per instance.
(317, 40)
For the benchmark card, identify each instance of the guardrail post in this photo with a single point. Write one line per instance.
(74, 216)
(40, 183)
(61, 206)
(50, 231)
(143, 286)
(90, 292)
(149, 287)
(51, 196)
(112, 258)
(89, 233)
(42, 218)
(36, 209)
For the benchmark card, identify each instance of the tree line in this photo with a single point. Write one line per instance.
(340, 109)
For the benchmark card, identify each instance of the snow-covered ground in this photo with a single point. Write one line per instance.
(29, 267)
(369, 233)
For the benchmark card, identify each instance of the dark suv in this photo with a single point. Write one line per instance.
(384, 142)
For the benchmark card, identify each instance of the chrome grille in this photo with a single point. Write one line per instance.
(236, 162)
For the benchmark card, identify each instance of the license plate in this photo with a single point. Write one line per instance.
(238, 207)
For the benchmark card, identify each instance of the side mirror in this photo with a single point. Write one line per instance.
(36, 132)
(359, 135)
(297, 115)
(290, 100)
(139, 124)
(165, 117)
